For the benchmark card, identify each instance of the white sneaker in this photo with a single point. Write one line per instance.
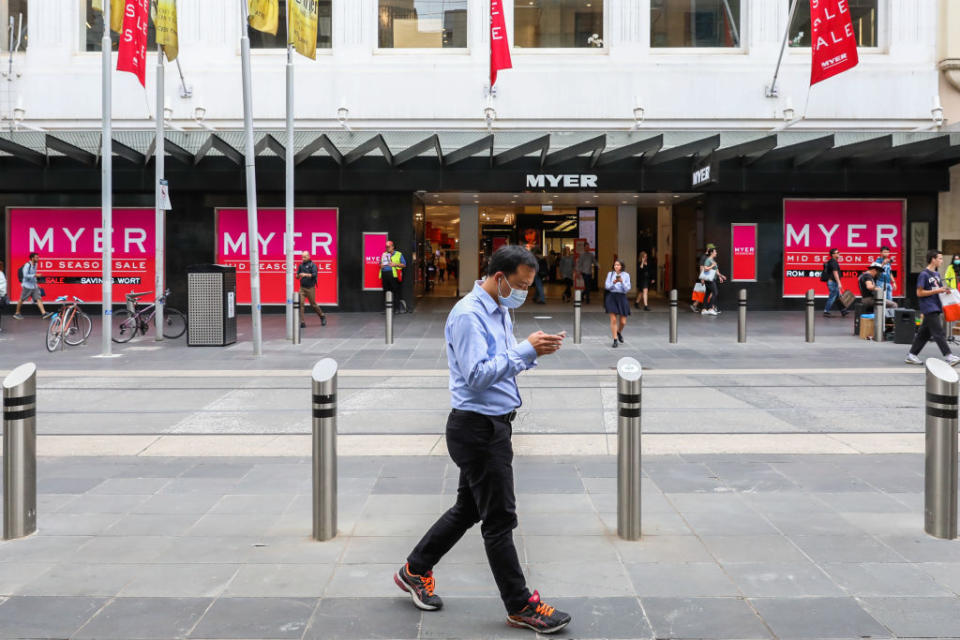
(710, 312)
(912, 359)
(17, 316)
(952, 360)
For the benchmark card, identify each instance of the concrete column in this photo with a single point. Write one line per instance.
(627, 240)
(469, 247)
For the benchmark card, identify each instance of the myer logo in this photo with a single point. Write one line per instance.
(566, 180)
(701, 176)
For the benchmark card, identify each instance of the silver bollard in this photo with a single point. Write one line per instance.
(325, 449)
(20, 452)
(629, 384)
(742, 316)
(673, 316)
(298, 318)
(388, 325)
(577, 304)
(879, 315)
(940, 474)
(811, 315)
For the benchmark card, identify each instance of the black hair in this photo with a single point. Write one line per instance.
(508, 259)
(834, 250)
(32, 254)
(933, 253)
(884, 248)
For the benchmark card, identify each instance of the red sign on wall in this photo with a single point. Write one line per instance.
(744, 252)
(374, 246)
(858, 228)
(70, 244)
(314, 230)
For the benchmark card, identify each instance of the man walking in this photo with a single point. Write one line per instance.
(392, 264)
(929, 288)
(30, 288)
(307, 273)
(831, 275)
(484, 360)
(585, 264)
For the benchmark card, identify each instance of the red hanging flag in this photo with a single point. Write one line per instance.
(499, 48)
(833, 40)
(132, 55)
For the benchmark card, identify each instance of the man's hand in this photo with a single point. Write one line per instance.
(545, 343)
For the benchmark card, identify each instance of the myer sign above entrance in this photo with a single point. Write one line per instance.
(567, 181)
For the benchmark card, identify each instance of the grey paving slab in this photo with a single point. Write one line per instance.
(42, 548)
(93, 503)
(145, 524)
(771, 580)
(771, 549)
(828, 548)
(584, 548)
(917, 617)
(46, 616)
(364, 618)
(260, 618)
(923, 548)
(947, 574)
(180, 580)
(651, 548)
(13, 575)
(885, 579)
(144, 619)
(177, 504)
(64, 579)
(703, 618)
(574, 578)
(681, 580)
(370, 580)
(818, 618)
(481, 618)
(280, 580)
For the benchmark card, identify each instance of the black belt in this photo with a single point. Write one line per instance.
(507, 417)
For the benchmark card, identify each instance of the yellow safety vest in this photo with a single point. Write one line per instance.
(395, 261)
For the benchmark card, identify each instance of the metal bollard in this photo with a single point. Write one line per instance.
(388, 339)
(811, 314)
(629, 384)
(325, 449)
(298, 318)
(879, 316)
(577, 304)
(673, 316)
(742, 316)
(20, 452)
(940, 474)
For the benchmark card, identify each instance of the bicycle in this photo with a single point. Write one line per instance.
(132, 320)
(69, 325)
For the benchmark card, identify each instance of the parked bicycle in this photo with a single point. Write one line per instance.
(70, 324)
(128, 322)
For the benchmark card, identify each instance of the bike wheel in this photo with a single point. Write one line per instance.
(78, 330)
(174, 323)
(54, 333)
(124, 326)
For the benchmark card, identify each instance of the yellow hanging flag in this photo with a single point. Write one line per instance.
(264, 15)
(302, 27)
(165, 23)
(117, 7)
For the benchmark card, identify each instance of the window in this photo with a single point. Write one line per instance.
(13, 20)
(695, 23)
(862, 12)
(93, 30)
(422, 24)
(261, 40)
(557, 24)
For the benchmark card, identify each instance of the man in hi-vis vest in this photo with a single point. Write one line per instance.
(392, 264)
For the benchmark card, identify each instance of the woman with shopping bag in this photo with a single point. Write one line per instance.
(935, 298)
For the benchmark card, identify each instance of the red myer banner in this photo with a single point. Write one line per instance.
(314, 230)
(70, 244)
(744, 253)
(374, 246)
(132, 51)
(858, 228)
(499, 47)
(833, 42)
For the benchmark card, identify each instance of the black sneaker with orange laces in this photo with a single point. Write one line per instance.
(420, 588)
(539, 616)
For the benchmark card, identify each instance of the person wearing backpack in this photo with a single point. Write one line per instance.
(831, 275)
(27, 274)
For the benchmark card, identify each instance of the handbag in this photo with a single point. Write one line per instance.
(708, 275)
(951, 305)
(699, 292)
(847, 298)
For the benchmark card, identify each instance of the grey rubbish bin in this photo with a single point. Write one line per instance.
(211, 305)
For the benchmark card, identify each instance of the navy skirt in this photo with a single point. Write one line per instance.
(617, 303)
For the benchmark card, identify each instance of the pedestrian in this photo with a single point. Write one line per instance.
(616, 304)
(870, 289)
(3, 293)
(442, 267)
(307, 273)
(643, 281)
(710, 276)
(484, 359)
(831, 275)
(950, 279)
(695, 306)
(542, 273)
(565, 270)
(885, 280)
(585, 264)
(392, 264)
(929, 288)
(30, 288)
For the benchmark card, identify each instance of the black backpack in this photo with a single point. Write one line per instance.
(20, 273)
(825, 273)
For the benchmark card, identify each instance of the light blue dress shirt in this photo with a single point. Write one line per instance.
(618, 287)
(484, 356)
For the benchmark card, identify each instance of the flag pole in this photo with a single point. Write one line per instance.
(289, 169)
(772, 89)
(159, 159)
(106, 187)
(251, 176)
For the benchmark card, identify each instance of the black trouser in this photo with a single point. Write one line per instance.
(587, 286)
(391, 284)
(568, 290)
(713, 294)
(480, 446)
(932, 327)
